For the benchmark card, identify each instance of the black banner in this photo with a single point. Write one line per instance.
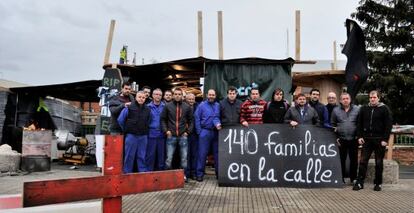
(270, 155)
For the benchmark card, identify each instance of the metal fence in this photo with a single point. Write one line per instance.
(404, 139)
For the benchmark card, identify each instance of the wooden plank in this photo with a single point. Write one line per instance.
(220, 33)
(297, 35)
(10, 201)
(113, 158)
(200, 33)
(77, 189)
(390, 146)
(109, 42)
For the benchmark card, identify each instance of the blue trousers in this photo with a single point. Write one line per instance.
(171, 146)
(155, 154)
(192, 154)
(135, 149)
(208, 138)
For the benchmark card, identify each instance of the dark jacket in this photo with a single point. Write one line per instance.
(330, 108)
(310, 116)
(177, 117)
(345, 122)
(374, 122)
(230, 112)
(135, 119)
(275, 112)
(116, 105)
(322, 113)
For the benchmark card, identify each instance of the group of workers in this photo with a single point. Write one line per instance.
(157, 125)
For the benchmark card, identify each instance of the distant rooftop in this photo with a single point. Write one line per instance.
(320, 65)
(9, 84)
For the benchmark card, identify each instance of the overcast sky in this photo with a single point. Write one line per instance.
(56, 41)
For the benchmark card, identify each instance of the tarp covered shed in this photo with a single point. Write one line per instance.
(22, 106)
(82, 91)
(242, 73)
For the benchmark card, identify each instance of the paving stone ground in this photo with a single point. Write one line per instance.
(208, 197)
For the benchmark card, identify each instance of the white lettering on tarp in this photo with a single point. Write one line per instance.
(294, 149)
(242, 172)
(269, 142)
(313, 169)
(232, 139)
(244, 141)
(233, 168)
(270, 175)
(256, 143)
(300, 160)
(111, 82)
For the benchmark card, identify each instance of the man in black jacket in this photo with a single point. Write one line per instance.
(135, 121)
(177, 123)
(117, 103)
(230, 108)
(373, 131)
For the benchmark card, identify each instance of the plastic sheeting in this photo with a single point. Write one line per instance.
(267, 77)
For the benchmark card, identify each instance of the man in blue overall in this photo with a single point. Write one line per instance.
(192, 140)
(156, 140)
(134, 121)
(207, 124)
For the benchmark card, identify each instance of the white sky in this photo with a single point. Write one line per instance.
(56, 41)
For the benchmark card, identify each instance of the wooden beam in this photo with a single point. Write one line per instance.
(110, 186)
(200, 33)
(220, 34)
(109, 42)
(335, 67)
(390, 146)
(297, 36)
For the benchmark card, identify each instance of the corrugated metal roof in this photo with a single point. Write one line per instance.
(9, 84)
(320, 65)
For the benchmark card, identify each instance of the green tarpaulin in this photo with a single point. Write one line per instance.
(266, 76)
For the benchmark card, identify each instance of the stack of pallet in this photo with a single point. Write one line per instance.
(64, 115)
(3, 102)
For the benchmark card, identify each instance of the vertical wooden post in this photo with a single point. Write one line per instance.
(113, 166)
(297, 36)
(390, 146)
(109, 41)
(200, 33)
(335, 67)
(220, 33)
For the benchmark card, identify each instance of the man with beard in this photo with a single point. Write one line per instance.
(117, 104)
(207, 124)
(167, 96)
(301, 113)
(177, 123)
